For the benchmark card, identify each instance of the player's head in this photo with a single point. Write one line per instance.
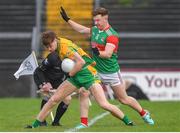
(100, 17)
(49, 40)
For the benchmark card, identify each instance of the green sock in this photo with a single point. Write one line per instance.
(36, 123)
(126, 119)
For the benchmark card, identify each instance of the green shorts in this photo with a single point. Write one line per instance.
(85, 78)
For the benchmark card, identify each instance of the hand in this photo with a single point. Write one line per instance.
(71, 74)
(64, 14)
(96, 51)
(47, 87)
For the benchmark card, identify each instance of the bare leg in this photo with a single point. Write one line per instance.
(61, 109)
(122, 96)
(65, 89)
(67, 100)
(99, 95)
(84, 106)
(120, 92)
(84, 103)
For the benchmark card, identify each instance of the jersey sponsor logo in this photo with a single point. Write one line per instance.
(102, 39)
(97, 36)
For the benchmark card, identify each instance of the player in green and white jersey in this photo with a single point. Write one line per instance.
(104, 43)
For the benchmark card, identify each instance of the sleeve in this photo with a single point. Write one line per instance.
(39, 77)
(113, 40)
(53, 59)
(70, 53)
(50, 61)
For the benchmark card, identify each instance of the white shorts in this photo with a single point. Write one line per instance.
(112, 79)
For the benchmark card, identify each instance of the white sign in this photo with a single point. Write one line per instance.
(157, 85)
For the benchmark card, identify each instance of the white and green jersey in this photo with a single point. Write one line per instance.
(99, 39)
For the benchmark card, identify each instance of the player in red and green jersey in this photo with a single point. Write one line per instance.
(104, 43)
(99, 40)
(82, 75)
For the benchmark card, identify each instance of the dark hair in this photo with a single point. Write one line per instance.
(100, 11)
(48, 37)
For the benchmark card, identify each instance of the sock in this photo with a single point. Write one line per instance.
(43, 102)
(36, 123)
(62, 107)
(143, 112)
(84, 120)
(126, 119)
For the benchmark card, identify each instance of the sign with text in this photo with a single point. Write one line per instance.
(157, 85)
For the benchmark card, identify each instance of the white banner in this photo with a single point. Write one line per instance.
(157, 85)
(28, 66)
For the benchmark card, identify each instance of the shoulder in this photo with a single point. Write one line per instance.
(112, 39)
(111, 31)
(94, 28)
(53, 57)
(64, 40)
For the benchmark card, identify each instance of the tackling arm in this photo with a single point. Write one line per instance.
(51, 60)
(107, 53)
(111, 46)
(77, 27)
(79, 63)
(39, 77)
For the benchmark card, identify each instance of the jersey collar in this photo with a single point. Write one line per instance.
(108, 27)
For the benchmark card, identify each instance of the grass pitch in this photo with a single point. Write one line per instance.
(16, 113)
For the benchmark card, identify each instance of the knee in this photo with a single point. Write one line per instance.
(53, 100)
(124, 100)
(104, 105)
(67, 100)
(84, 94)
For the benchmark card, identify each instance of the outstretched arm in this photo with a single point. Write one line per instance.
(77, 27)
